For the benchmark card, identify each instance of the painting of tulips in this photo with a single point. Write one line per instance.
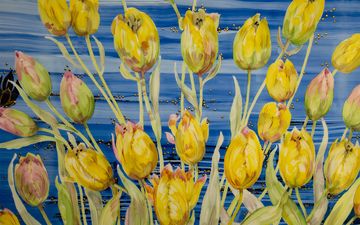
(172, 112)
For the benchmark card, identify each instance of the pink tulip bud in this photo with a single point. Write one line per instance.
(31, 179)
(17, 122)
(319, 95)
(351, 110)
(33, 77)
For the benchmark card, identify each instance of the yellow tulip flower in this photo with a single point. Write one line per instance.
(135, 151)
(351, 110)
(341, 166)
(274, 120)
(357, 202)
(85, 18)
(346, 56)
(243, 160)
(297, 158)
(88, 168)
(199, 40)
(252, 44)
(190, 137)
(174, 195)
(281, 80)
(8, 218)
(136, 40)
(301, 20)
(55, 15)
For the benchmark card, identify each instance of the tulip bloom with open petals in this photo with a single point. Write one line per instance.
(252, 44)
(243, 160)
(199, 40)
(346, 56)
(297, 158)
(136, 40)
(174, 195)
(135, 151)
(301, 20)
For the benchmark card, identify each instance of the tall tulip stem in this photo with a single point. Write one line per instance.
(350, 135)
(244, 121)
(300, 202)
(182, 97)
(118, 116)
(201, 95)
(351, 221)
(151, 220)
(178, 15)
(141, 103)
(57, 137)
(305, 122)
(88, 131)
(223, 198)
(194, 6)
(82, 205)
(308, 51)
(43, 213)
(313, 128)
(317, 204)
(344, 134)
(124, 4)
(334, 72)
(238, 206)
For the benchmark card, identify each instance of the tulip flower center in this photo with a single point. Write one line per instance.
(198, 19)
(133, 22)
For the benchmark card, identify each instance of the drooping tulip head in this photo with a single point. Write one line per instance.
(33, 77)
(341, 166)
(274, 120)
(85, 18)
(199, 40)
(281, 80)
(55, 15)
(135, 151)
(301, 20)
(252, 44)
(190, 137)
(88, 168)
(31, 179)
(17, 122)
(174, 195)
(8, 218)
(136, 40)
(319, 95)
(243, 160)
(76, 98)
(346, 56)
(297, 158)
(351, 110)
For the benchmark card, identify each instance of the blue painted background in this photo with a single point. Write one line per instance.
(21, 29)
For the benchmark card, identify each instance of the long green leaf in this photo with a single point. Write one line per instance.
(63, 51)
(264, 216)
(95, 205)
(343, 206)
(155, 86)
(109, 214)
(25, 215)
(65, 204)
(101, 52)
(126, 73)
(236, 110)
(26, 141)
(210, 208)
(214, 71)
(188, 93)
(291, 213)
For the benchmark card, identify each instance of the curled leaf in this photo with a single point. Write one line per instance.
(214, 70)
(188, 93)
(101, 52)
(23, 142)
(126, 73)
(63, 51)
(236, 110)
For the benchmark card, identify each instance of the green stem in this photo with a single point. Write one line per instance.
(351, 221)
(82, 204)
(223, 198)
(152, 120)
(118, 116)
(310, 44)
(43, 213)
(142, 182)
(101, 76)
(350, 135)
(57, 137)
(196, 171)
(334, 72)
(201, 96)
(141, 104)
(313, 128)
(193, 6)
(182, 97)
(305, 122)
(124, 4)
(244, 122)
(300, 202)
(178, 15)
(286, 46)
(88, 131)
(232, 206)
(344, 134)
(240, 199)
(121, 188)
(268, 147)
(262, 195)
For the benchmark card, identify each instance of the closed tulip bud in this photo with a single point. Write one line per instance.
(17, 122)
(351, 110)
(243, 160)
(274, 120)
(281, 80)
(357, 202)
(301, 20)
(199, 40)
(190, 137)
(135, 151)
(55, 15)
(346, 56)
(297, 158)
(8, 218)
(33, 77)
(85, 18)
(89, 168)
(341, 166)
(252, 44)
(174, 195)
(31, 179)
(76, 98)
(319, 95)
(136, 40)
